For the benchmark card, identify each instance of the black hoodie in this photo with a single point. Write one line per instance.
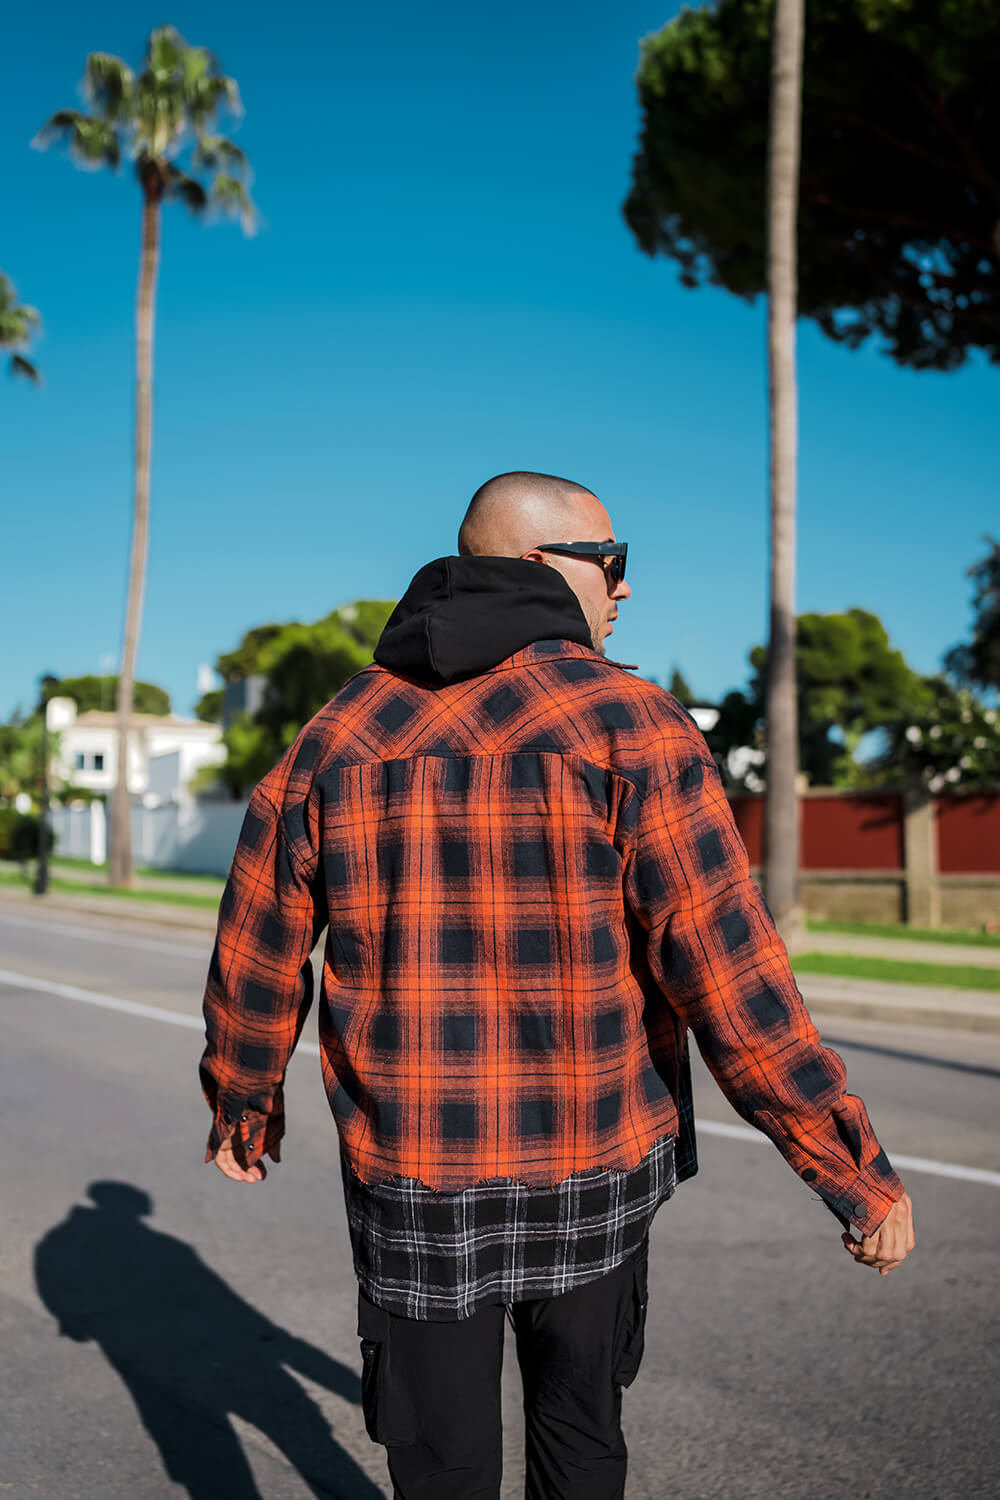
(462, 615)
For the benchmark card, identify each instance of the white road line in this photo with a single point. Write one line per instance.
(906, 1163)
(195, 1023)
(112, 1002)
(101, 935)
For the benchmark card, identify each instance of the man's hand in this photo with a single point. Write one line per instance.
(890, 1244)
(226, 1162)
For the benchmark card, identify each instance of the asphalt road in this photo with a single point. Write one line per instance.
(164, 1332)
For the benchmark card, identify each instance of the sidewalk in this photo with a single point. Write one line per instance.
(826, 995)
(983, 957)
(123, 908)
(909, 1004)
(190, 885)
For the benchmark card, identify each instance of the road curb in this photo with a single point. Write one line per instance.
(905, 1015)
(825, 995)
(150, 913)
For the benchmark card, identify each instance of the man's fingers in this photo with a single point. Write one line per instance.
(891, 1242)
(870, 1252)
(226, 1162)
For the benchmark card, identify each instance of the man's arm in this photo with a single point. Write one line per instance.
(259, 989)
(716, 955)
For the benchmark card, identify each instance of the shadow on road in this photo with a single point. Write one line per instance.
(984, 1070)
(192, 1351)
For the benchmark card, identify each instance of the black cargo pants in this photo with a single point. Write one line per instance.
(431, 1391)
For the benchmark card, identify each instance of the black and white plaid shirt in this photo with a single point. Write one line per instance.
(440, 1256)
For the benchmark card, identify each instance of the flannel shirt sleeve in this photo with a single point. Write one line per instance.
(260, 982)
(716, 956)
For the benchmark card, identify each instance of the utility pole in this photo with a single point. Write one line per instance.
(42, 865)
(781, 808)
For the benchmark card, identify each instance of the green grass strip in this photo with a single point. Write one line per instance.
(975, 937)
(143, 871)
(898, 971)
(15, 875)
(164, 898)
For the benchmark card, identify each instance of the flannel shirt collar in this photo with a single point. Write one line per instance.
(557, 650)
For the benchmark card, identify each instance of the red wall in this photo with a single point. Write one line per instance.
(748, 813)
(866, 833)
(838, 833)
(852, 833)
(968, 835)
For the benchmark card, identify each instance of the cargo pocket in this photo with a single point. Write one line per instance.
(632, 1339)
(387, 1407)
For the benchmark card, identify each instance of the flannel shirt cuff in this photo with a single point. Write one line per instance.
(251, 1132)
(865, 1201)
(860, 1201)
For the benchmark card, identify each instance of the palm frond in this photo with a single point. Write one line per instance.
(16, 318)
(214, 151)
(231, 196)
(155, 115)
(159, 114)
(209, 94)
(196, 63)
(18, 365)
(164, 51)
(17, 324)
(108, 84)
(92, 142)
(188, 189)
(56, 127)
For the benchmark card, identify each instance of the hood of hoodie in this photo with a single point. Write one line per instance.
(462, 615)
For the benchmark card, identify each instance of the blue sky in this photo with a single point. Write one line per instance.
(443, 288)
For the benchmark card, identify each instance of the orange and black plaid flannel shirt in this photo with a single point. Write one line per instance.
(534, 888)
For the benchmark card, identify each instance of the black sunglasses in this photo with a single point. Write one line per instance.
(614, 552)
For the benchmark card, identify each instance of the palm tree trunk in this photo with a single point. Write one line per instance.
(121, 822)
(781, 824)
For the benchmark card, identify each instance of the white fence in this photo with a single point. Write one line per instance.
(197, 837)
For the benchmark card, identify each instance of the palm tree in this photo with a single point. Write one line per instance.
(18, 325)
(162, 118)
(781, 825)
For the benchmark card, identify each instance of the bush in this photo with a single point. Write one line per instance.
(8, 817)
(19, 835)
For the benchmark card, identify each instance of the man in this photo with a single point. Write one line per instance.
(534, 888)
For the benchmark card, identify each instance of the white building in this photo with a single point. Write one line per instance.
(164, 751)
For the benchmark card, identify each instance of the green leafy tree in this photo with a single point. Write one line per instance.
(245, 661)
(18, 326)
(162, 118)
(21, 746)
(899, 210)
(849, 682)
(680, 688)
(20, 757)
(898, 217)
(978, 661)
(92, 692)
(250, 754)
(303, 667)
(952, 743)
(209, 706)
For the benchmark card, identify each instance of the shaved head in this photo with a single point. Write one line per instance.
(517, 514)
(514, 512)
